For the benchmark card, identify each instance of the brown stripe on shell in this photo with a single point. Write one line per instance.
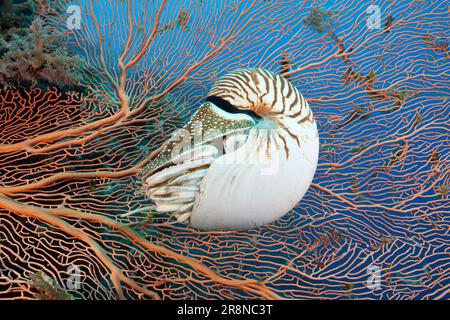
(290, 133)
(286, 149)
(242, 84)
(308, 118)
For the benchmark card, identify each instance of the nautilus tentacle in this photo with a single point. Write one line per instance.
(261, 168)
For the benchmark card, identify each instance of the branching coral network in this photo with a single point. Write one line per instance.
(69, 159)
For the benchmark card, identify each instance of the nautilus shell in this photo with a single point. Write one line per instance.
(246, 158)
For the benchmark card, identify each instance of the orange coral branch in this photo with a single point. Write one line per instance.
(44, 214)
(50, 216)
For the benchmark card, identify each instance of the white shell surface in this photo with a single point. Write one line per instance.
(248, 188)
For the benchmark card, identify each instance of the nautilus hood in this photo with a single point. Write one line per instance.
(208, 123)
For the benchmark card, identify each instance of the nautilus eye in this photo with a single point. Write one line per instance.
(263, 167)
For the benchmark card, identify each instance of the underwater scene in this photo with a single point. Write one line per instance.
(224, 150)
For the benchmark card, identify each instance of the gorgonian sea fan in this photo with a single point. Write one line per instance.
(69, 160)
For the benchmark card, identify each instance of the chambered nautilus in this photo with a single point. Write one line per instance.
(246, 157)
